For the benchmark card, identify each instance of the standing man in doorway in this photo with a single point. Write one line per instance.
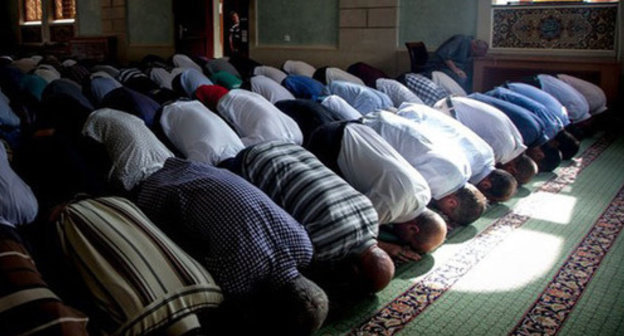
(235, 36)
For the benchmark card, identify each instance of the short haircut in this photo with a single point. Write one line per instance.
(526, 168)
(568, 145)
(471, 205)
(552, 158)
(503, 185)
(429, 224)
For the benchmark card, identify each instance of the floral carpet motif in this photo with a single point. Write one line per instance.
(402, 310)
(582, 28)
(552, 308)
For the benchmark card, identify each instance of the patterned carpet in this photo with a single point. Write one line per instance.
(548, 261)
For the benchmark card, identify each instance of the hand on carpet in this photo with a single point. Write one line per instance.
(398, 252)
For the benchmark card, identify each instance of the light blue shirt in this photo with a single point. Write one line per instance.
(7, 117)
(362, 98)
(552, 124)
(551, 103)
(575, 103)
(191, 79)
(18, 205)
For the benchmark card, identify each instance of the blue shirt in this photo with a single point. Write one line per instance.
(457, 49)
(552, 104)
(7, 117)
(303, 86)
(530, 126)
(552, 124)
(362, 98)
(191, 79)
(101, 86)
(128, 100)
(18, 204)
(575, 103)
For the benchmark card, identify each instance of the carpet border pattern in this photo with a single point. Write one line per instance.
(554, 305)
(397, 314)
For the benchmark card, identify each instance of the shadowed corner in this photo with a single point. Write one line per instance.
(345, 307)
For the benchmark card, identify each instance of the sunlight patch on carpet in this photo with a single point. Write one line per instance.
(512, 265)
(554, 208)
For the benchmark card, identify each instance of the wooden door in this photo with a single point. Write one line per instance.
(194, 27)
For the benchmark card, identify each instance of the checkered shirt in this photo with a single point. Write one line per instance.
(238, 233)
(428, 91)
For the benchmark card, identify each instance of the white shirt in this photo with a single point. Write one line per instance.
(191, 79)
(162, 77)
(491, 124)
(575, 103)
(100, 74)
(397, 191)
(199, 133)
(479, 154)
(448, 83)
(299, 68)
(256, 120)
(341, 107)
(26, 65)
(397, 92)
(47, 72)
(134, 150)
(69, 63)
(336, 74)
(269, 89)
(441, 162)
(274, 73)
(594, 95)
(183, 61)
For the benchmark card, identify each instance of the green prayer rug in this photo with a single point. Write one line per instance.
(548, 261)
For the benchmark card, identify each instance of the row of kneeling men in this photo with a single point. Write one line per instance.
(268, 195)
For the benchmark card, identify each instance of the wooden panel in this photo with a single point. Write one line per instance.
(97, 48)
(491, 71)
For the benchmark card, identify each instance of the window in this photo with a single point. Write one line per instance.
(46, 21)
(64, 9)
(32, 11)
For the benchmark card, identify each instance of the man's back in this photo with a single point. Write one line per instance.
(339, 220)
(241, 236)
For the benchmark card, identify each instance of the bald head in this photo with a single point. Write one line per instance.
(424, 233)
(479, 48)
(376, 269)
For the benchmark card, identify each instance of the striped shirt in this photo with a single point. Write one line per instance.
(339, 220)
(139, 278)
(242, 237)
(27, 305)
